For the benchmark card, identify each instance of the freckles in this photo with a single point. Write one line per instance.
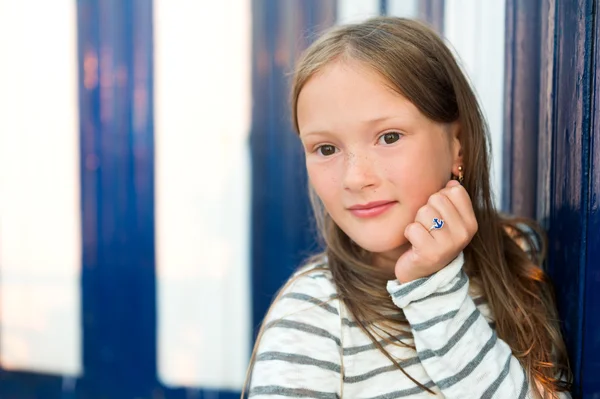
(351, 158)
(387, 169)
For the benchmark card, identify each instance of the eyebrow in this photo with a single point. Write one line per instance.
(379, 120)
(370, 122)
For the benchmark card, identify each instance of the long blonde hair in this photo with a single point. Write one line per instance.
(416, 63)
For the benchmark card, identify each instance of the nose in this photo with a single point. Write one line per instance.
(359, 172)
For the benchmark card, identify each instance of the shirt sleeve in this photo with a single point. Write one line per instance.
(299, 354)
(457, 347)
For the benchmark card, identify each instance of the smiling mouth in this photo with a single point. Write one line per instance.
(371, 209)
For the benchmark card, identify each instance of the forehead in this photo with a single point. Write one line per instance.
(347, 93)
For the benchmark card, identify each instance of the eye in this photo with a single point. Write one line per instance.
(389, 138)
(326, 150)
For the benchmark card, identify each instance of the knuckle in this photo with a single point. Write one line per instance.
(446, 199)
(457, 192)
(422, 212)
(432, 201)
(441, 199)
(464, 237)
(458, 188)
(433, 198)
(473, 226)
(437, 198)
(410, 229)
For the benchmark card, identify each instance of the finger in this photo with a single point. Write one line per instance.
(454, 223)
(459, 197)
(426, 255)
(427, 216)
(419, 237)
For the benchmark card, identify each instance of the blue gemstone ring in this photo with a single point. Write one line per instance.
(437, 224)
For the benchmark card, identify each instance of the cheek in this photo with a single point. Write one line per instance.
(324, 181)
(416, 176)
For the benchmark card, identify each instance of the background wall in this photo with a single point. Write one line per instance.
(153, 194)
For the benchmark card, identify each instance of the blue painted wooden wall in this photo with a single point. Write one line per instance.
(282, 233)
(118, 258)
(117, 163)
(552, 74)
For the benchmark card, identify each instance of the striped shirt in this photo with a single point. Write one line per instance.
(313, 348)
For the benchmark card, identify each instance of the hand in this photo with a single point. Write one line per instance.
(432, 250)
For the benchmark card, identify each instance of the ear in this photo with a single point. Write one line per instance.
(456, 147)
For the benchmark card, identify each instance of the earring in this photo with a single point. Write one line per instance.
(460, 174)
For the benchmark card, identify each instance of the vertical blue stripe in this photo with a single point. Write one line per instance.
(118, 277)
(590, 373)
(569, 218)
(521, 90)
(383, 7)
(282, 230)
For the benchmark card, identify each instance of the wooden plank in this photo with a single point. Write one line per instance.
(521, 122)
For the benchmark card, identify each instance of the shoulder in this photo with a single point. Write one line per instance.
(300, 343)
(308, 294)
(315, 269)
(304, 318)
(529, 237)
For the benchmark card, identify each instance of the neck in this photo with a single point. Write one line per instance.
(387, 260)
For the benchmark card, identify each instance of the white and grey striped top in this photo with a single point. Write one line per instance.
(312, 347)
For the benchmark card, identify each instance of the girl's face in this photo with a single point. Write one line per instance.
(372, 157)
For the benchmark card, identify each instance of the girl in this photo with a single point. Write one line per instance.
(423, 288)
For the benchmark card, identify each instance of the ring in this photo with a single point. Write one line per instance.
(437, 224)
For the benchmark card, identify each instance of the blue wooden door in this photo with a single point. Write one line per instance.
(552, 158)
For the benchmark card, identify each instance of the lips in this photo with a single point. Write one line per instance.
(371, 209)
